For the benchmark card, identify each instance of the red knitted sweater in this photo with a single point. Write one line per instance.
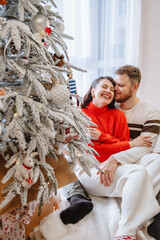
(114, 130)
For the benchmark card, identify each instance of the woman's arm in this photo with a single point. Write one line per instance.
(97, 135)
(121, 132)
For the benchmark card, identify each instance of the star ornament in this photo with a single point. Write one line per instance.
(48, 30)
(3, 2)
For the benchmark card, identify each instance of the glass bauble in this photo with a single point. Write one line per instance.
(59, 26)
(39, 22)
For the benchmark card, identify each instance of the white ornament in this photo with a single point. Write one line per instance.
(59, 26)
(24, 172)
(60, 94)
(65, 133)
(71, 84)
(39, 22)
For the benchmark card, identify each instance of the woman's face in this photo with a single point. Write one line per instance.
(103, 93)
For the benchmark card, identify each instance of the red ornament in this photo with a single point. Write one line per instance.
(3, 2)
(48, 30)
(2, 92)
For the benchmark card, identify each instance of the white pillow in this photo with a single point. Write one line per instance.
(157, 147)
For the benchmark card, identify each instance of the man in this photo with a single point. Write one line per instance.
(142, 120)
(141, 117)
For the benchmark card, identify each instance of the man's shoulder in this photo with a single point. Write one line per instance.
(141, 112)
(148, 108)
(141, 107)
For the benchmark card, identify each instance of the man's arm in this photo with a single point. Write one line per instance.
(149, 127)
(132, 155)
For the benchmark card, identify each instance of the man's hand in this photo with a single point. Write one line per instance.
(94, 133)
(108, 167)
(141, 141)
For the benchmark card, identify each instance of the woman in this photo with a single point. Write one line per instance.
(109, 137)
(112, 134)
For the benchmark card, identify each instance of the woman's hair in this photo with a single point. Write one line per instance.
(88, 97)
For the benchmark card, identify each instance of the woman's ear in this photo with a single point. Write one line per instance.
(92, 93)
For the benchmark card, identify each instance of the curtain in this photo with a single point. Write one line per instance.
(106, 36)
(149, 52)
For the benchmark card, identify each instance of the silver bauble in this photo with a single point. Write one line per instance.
(59, 26)
(60, 94)
(39, 22)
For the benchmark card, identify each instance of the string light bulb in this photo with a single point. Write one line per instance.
(79, 155)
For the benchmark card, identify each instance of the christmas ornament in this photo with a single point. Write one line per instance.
(12, 52)
(65, 133)
(60, 94)
(47, 85)
(2, 92)
(71, 84)
(3, 2)
(59, 61)
(39, 22)
(59, 26)
(24, 171)
(48, 30)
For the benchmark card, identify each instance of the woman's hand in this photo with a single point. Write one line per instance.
(108, 167)
(94, 133)
(141, 141)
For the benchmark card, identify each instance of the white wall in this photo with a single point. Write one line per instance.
(149, 52)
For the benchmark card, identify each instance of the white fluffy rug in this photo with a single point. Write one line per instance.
(100, 224)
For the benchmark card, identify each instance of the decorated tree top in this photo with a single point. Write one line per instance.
(38, 115)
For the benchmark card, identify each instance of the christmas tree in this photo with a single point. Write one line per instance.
(38, 115)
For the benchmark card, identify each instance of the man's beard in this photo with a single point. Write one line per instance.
(124, 98)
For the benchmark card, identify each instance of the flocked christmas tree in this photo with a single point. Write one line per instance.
(38, 115)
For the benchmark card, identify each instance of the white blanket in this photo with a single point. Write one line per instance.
(100, 224)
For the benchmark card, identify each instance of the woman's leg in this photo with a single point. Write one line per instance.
(132, 183)
(80, 203)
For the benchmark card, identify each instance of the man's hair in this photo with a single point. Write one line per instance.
(132, 72)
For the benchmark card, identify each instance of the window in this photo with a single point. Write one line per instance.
(105, 36)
